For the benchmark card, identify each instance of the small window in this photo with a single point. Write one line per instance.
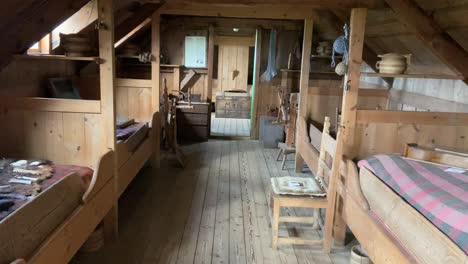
(41, 47)
(195, 51)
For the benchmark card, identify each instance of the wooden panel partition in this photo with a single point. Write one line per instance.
(397, 128)
(324, 100)
(134, 99)
(63, 137)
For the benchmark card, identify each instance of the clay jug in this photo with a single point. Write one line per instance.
(393, 63)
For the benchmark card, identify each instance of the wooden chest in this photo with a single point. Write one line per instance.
(194, 123)
(233, 105)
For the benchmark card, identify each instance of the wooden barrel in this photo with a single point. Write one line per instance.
(359, 256)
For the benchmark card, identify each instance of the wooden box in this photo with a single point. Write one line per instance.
(233, 105)
(194, 123)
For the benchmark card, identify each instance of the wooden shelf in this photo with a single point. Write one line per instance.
(128, 56)
(316, 56)
(286, 70)
(56, 57)
(323, 72)
(171, 65)
(412, 75)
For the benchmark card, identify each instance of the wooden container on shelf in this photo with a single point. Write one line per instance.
(393, 63)
(75, 45)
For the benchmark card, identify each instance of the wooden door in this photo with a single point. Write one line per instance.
(233, 66)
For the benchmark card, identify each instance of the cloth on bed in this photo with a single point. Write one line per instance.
(59, 172)
(440, 193)
(125, 133)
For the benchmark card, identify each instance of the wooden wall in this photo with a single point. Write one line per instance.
(64, 138)
(133, 99)
(391, 138)
(417, 95)
(24, 77)
(431, 95)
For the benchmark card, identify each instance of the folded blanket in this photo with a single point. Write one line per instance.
(125, 133)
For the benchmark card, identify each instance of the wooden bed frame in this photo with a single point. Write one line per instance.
(129, 163)
(68, 237)
(308, 142)
(380, 238)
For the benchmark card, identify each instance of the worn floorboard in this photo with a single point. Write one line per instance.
(216, 210)
(229, 127)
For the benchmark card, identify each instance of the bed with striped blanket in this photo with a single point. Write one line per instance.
(439, 193)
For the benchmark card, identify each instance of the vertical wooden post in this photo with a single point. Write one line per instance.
(107, 78)
(155, 76)
(209, 93)
(304, 79)
(255, 85)
(346, 133)
(176, 78)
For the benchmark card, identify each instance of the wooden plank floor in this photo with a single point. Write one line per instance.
(216, 210)
(229, 127)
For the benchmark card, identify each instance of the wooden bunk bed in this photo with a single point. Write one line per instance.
(363, 125)
(133, 101)
(386, 224)
(133, 153)
(51, 227)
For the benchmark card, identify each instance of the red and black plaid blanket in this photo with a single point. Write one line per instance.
(438, 192)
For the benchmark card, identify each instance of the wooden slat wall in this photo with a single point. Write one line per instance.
(29, 77)
(395, 136)
(321, 105)
(65, 138)
(134, 101)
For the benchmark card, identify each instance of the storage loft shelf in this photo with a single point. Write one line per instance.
(56, 57)
(412, 75)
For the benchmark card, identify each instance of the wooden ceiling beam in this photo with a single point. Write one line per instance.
(309, 3)
(279, 11)
(140, 15)
(436, 39)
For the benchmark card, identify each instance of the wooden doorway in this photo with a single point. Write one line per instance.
(232, 94)
(233, 62)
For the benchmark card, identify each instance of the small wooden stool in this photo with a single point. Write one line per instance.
(285, 150)
(314, 203)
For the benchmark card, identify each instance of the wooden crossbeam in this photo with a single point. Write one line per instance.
(311, 3)
(433, 36)
(280, 11)
(146, 23)
(140, 18)
(184, 83)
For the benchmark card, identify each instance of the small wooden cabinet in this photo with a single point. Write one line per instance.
(194, 123)
(233, 105)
